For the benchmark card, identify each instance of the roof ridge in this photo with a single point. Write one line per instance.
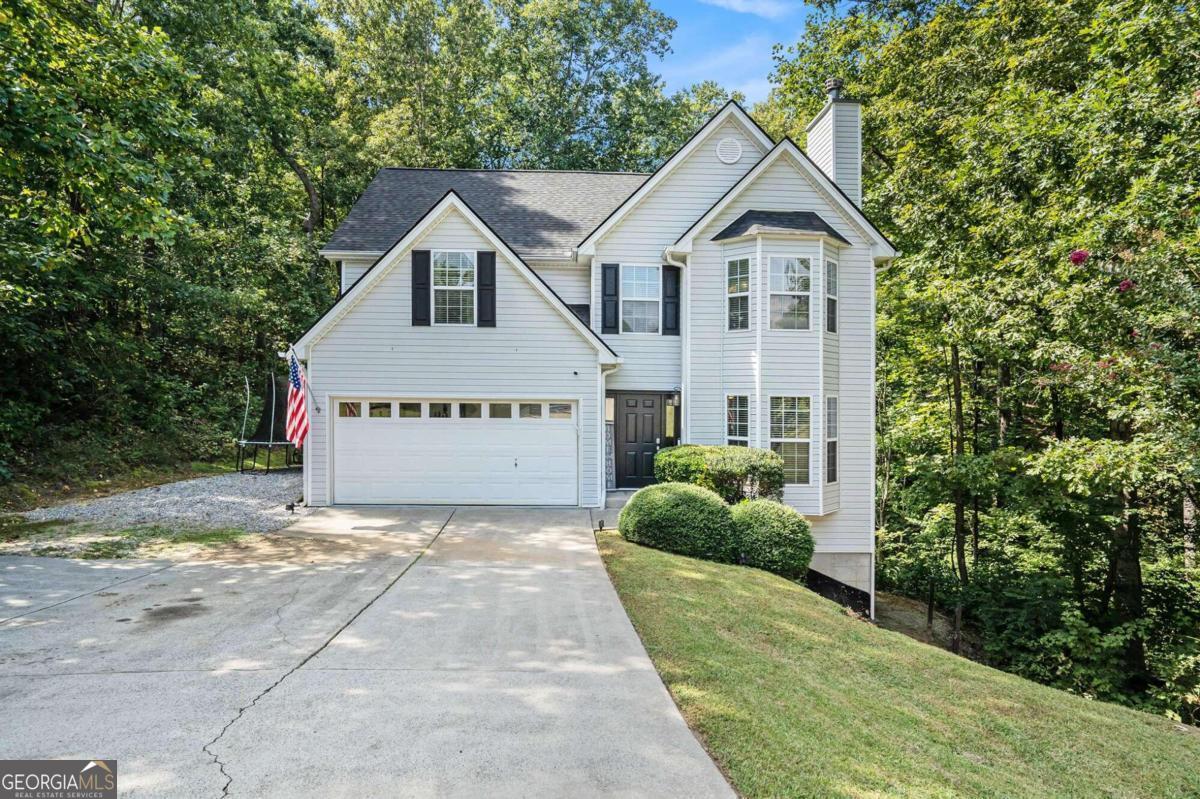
(531, 171)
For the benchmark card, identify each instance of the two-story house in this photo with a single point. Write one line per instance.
(534, 337)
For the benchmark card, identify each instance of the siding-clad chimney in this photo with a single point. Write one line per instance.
(835, 140)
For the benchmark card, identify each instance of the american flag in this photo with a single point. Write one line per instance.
(297, 413)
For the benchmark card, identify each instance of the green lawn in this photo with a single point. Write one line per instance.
(793, 697)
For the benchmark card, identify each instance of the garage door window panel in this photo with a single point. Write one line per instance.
(560, 410)
(500, 410)
(531, 410)
(349, 410)
(379, 410)
(470, 410)
(439, 410)
(408, 410)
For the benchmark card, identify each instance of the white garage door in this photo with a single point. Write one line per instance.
(502, 452)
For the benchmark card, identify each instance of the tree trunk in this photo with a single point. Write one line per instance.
(960, 499)
(1127, 586)
(315, 218)
(1002, 405)
(1190, 520)
(960, 504)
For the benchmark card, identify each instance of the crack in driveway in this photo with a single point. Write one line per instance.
(242, 711)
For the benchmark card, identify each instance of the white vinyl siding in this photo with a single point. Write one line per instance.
(654, 363)
(834, 143)
(373, 350)
(352, 270)
(789, 364)
(568, 280)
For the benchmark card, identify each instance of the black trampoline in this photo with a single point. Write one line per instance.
(270, 433)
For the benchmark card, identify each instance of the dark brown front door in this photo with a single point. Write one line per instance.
(638, 434)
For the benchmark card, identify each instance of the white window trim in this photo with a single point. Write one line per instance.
(749, 288)
(832, 439)
(434, 288)
(837, 304)
(772, 293)
(771, 439)
(657, 300)
(746, 437)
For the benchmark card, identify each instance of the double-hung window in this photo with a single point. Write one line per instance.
(453, 287)
(791, 290)
(831, 293)
(831, 439)
(737, 292)
(737, 420)
(641, 298)
(791, 432)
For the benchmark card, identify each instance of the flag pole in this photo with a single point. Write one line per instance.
(300, 365)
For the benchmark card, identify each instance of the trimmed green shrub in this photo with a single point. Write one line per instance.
(681, 518)
(736, 473)
(682, 464)
(773, 537)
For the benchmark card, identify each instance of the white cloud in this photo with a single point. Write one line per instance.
(769, 9)
(742, 66)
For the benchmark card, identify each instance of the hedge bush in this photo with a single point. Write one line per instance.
(681, 518)
(735, 473)
(773, 537)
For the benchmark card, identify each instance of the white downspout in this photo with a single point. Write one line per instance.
(759, 321)
(685, 309)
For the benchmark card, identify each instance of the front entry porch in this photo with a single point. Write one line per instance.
(638, 424)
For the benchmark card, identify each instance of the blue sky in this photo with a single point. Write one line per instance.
(728, 41)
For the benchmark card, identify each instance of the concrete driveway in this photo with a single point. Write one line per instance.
(363, 652)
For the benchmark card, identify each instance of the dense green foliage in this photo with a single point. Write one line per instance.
(168, 169)
(736, 473)
(1039, 341)
(773, 537)
(682, 518)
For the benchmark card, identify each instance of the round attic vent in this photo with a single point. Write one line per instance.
(729, 151)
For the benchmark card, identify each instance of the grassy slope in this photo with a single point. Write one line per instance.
(795, 698)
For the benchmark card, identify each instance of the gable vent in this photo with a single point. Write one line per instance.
(729, 150)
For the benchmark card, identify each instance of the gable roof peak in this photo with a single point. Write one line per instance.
(731, 110)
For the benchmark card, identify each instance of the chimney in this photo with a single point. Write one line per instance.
(835, 140)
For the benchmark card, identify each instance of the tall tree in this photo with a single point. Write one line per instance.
(1035, 162)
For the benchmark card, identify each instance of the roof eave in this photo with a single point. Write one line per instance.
(784, 233)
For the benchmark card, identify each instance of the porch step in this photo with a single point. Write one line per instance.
(616, 498)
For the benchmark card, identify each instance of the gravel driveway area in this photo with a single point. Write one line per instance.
(252, 502)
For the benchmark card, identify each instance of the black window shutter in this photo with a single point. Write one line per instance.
(485, 291)
(420, 287)
(670, 300)
(610, 295)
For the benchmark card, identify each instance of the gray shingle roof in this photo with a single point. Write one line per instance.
(798, 221)
(541, 215)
